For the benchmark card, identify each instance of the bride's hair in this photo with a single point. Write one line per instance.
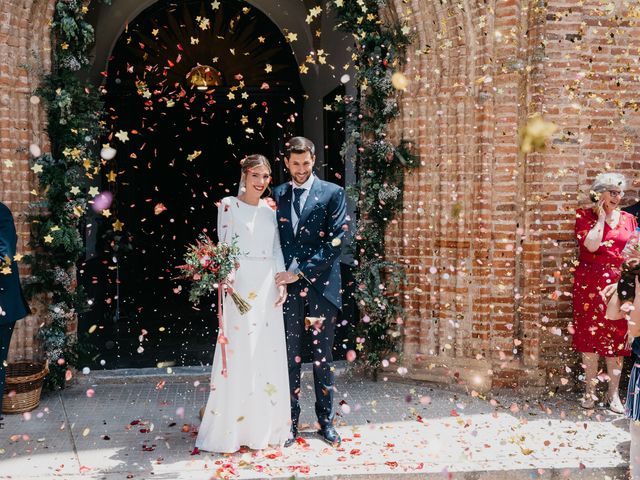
(253, 161)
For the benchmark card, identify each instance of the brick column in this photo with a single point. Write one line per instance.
(25, 53)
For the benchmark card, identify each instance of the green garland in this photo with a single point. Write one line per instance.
(74, 125)
(381, 165)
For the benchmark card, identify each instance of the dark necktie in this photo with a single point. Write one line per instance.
(297, 192)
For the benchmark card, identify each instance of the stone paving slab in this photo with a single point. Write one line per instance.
(147, 430)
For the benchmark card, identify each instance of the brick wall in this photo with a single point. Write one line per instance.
(486, 232)
(490, 266)
(24, 56)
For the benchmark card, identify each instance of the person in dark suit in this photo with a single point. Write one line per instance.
(13, 305)
(311, 222)
(633, 210)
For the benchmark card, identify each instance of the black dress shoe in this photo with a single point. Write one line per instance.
(330, 435)
(292, 439)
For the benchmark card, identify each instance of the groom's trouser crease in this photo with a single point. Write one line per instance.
(296, 308)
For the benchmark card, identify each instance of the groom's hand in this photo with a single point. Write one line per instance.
(285, 278)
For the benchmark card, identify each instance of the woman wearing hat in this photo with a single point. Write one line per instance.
(602, 232)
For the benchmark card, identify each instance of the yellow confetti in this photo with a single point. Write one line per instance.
(194, 155)
(122, 136)
(399, 81)
(534, 135)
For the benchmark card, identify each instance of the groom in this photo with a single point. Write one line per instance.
(311, 221)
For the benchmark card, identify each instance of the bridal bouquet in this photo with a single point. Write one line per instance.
(208, 265)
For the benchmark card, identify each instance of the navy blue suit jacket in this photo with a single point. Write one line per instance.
(12, 300)
(317, 246)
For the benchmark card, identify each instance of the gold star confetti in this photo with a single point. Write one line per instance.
(203, 23)
(313, 13)
(304, 68)
(215, 4)
(93, 191)
(106, 213)
(123, 136)
(534, 135)
(270, 389)
(292, 37)
(191, 157)
(117, 226)
(75, 190)
(48, 238)
(112, 176)
(268, 68)
(261, 39)
(37, 168)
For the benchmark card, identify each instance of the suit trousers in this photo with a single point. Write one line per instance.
(296, 308)
(6, 330)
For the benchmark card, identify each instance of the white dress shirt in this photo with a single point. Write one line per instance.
(294, 218)
(303, 199)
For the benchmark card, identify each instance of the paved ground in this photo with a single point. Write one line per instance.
(143, 429)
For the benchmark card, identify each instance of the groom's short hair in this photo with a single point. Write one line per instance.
(300, 145)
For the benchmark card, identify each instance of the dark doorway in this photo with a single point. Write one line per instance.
(182, 155)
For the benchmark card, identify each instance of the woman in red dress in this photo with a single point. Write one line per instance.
(602, 232)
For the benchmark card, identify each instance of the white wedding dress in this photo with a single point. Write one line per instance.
(251, 406)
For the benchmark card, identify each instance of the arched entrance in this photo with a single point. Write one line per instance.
(184, 143)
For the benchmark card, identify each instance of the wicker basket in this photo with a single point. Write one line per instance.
(23, 386)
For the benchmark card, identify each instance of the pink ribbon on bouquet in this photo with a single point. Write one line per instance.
(222, 340)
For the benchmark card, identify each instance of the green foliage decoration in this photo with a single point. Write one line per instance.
(381, 165)
(64, 177)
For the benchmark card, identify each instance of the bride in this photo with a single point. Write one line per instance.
(250, 406)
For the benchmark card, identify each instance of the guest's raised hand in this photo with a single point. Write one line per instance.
(602, 215)
(607, 291)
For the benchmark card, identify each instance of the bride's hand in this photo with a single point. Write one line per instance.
(282, 295)
(230, 280)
